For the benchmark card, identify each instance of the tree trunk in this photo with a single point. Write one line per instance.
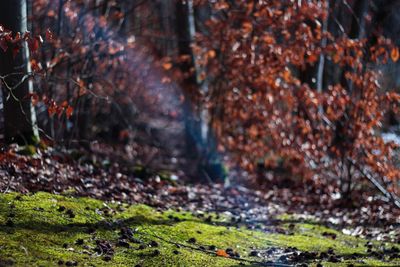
(19, 115)
(357, 30)
(184, 35)
(198, 142)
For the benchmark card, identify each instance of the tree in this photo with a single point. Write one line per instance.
(185, 32)
(200, 141)
(261, 59)
(19, 114)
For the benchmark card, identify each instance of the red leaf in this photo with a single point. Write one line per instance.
(69, 111)
(35, 65)
(52, 110)
(64, 104)
(33, 45)
(49, 35)
(17, 37)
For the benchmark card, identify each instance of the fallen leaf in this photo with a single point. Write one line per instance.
(222, 253)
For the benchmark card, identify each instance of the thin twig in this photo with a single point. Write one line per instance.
(394, 199)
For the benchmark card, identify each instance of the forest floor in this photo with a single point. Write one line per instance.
(103, 212)
(44, 229)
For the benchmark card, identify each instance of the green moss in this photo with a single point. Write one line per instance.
(42, 229)
(28, 150)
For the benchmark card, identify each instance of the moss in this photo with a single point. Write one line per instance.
(43, 229)
(28, 150)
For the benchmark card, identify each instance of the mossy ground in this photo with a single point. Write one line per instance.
(35, 231)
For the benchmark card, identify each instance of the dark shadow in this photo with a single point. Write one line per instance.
(272, 222)
(85, 227)
(249, 265)
(276, 222)
(263, 265)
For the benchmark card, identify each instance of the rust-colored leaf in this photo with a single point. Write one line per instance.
(35, 65)
(212, 54)
(69, 111)
(167, 66)
(394, 54)
(33, 44)
(247, 27)
(64, 104)
(222, 253)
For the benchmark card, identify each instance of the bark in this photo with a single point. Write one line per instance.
(19, 115)
(321, 64)
(360, 10)
(189, 85)
(199, 141)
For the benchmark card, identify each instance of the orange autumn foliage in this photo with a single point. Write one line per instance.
(260, 97)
